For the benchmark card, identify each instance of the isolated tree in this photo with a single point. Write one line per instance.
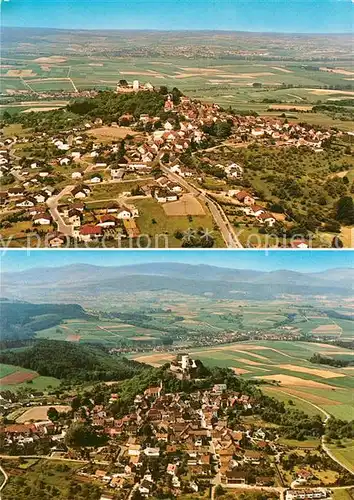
(52, 414)
(163, 90)
(82, 434)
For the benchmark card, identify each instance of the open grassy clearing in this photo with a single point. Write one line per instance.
(345, 453)
(7, 370)
(293, 443)
(15, 375)
(161, 228)
(111, 133)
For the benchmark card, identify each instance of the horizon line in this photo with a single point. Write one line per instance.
(174, 263)
(206, 30)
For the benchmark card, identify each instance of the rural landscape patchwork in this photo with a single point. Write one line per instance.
(158, 139)
(176, 250)
(161, 378)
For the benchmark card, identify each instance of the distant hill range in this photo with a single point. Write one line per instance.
(218, 282)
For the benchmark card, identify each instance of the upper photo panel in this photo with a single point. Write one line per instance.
(177, 124)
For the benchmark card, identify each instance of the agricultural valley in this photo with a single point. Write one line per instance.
(84, 358)
(198, 141)
(189, 364)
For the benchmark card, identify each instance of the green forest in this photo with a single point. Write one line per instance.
(68, 361)
(21, 320)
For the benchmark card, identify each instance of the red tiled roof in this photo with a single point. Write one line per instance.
(88, 229)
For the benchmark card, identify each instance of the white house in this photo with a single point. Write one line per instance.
(124, 214)
(15, 192)
(255, 210)
(26, 203)
(81, 192)
(76, 175)
(257, 132)
(42, 219)
(107, 221)
(152, 452)
(164, 195)
(96, 179)
(117, 173)
(39, 197)
(168, 126)
(267, 218)
(234, 171)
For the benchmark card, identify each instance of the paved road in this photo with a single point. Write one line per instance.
(6, 477)
(226, 229)
(52, 203)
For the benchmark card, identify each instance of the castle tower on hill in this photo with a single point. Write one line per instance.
(123, 87)
(183, 367)
(169, 103)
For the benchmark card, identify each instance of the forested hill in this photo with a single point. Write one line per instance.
(74, 362)
(110, 106)
(107, 105)
(20, 320)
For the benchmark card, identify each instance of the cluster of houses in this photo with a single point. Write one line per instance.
(5, 161)
(115, 217)
(91, 162)
(248, 205)
(278, 132)
(186, 436)
(308, 494)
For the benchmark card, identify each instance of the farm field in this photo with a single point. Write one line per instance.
(38, 413)
(343, 494)
(267, 87)
(108, 332)
(287, 371)
(12, 375)
(345, 453)
(160, 227)
(111, 133)
(219, 74)
(15, 377)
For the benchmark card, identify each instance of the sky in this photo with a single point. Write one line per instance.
(295, 260)
(291, 16)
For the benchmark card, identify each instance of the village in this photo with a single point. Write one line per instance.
(204, 441)
(95, 177)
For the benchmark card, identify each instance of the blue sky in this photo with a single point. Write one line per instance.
(311, 16)
(305, 261)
